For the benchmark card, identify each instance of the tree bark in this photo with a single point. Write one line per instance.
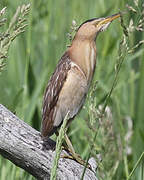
(23, 146)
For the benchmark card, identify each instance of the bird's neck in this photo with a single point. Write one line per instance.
(83, 53)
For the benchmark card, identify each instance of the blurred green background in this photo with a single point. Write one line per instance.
(33, 57)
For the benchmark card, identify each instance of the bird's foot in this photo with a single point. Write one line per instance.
(77, 158)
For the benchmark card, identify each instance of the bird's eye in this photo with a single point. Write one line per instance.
(96, 23)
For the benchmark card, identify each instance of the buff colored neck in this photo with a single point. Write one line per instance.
(83, 53)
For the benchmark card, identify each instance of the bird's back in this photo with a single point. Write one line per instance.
(51, 95)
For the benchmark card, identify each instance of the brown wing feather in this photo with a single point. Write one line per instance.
(51, 95)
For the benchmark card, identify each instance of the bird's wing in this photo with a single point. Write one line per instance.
(52, 93)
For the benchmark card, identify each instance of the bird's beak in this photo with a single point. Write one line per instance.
(108, 19)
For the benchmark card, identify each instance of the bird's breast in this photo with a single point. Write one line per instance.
(72, 95)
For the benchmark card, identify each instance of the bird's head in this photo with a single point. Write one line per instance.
(90, 28)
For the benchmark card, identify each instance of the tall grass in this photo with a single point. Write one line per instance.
(33, 57)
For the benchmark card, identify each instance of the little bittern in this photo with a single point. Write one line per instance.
(68, 86)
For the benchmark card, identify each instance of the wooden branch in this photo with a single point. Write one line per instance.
(22, 145)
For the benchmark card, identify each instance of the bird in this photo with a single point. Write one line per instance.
(69, 84)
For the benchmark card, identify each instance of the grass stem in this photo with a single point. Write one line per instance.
(136, 165)
(58, 148)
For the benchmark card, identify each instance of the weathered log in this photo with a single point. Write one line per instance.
(22, 145)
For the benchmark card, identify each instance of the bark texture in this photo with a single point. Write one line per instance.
(22, 145)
